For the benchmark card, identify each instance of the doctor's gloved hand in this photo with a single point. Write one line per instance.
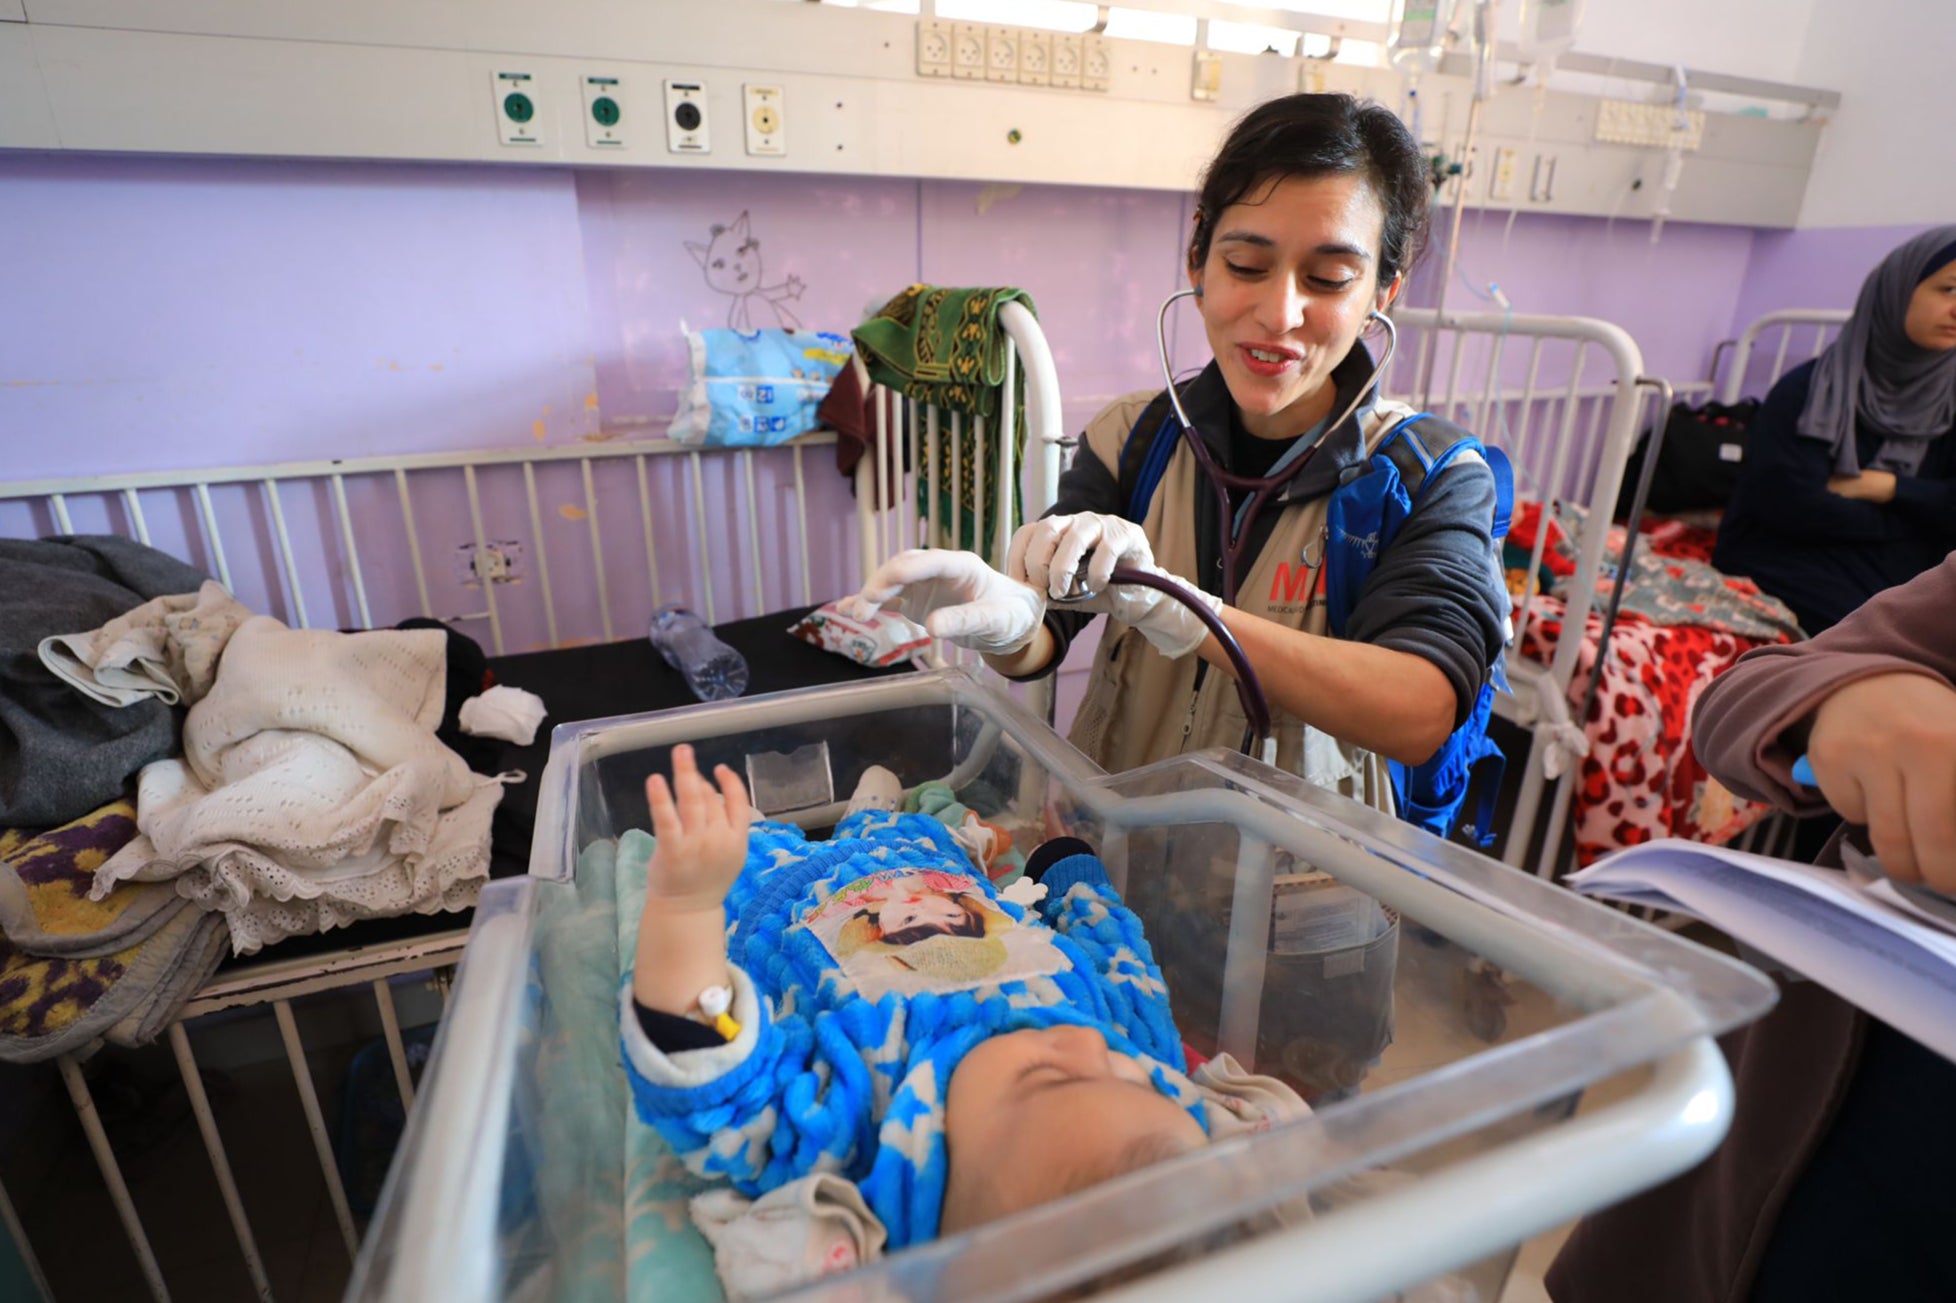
(957, 597)
(1047, 554)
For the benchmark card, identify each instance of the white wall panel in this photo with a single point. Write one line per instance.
(25, 120)
(1747, 38)
(1886, 158)
(371, 79)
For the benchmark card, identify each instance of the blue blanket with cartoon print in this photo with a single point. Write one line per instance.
(865, 967)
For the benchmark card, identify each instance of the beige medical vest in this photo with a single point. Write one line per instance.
(1141, 707)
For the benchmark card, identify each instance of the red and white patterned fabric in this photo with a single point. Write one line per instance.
(1640, 780)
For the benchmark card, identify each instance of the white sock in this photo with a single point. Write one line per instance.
(878, 789)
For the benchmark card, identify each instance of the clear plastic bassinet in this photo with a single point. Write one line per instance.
(1446, 1066)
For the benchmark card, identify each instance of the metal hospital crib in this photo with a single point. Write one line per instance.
(1446, 1155)
(351, 543)
(1567, 399)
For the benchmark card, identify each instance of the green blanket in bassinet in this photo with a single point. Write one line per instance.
(612, 1194)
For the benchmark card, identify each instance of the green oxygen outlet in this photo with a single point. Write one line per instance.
(517, 107)
(605, 110)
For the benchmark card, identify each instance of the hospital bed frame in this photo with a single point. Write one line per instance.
(1570, 425)
(221, 518)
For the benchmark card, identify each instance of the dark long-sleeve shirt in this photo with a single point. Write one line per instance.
(1820, 553)
(1433, 592)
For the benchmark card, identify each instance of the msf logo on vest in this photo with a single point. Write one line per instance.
(1299, 585)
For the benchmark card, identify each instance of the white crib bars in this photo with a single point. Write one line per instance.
(1568, 427)
(311, 542)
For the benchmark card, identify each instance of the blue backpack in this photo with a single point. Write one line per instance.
(1362, 518)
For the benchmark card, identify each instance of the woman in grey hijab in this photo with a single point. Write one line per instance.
(1849, 483)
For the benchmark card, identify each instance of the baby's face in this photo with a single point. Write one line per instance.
(920, 908)
(1036, 1115)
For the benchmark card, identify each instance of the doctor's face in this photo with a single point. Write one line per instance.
(1291, 276)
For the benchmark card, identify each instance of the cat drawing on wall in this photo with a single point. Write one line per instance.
(731, 260)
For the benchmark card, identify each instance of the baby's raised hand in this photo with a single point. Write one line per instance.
(702, 835)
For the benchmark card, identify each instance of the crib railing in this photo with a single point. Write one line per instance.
(918, 448)
(537, 548)
(1561, 396)
(1814, 327)
(353, 543)
(931, 442)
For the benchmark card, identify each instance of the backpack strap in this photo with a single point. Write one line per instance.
(1145, 456)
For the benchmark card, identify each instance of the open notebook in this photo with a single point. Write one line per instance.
(1884, 947)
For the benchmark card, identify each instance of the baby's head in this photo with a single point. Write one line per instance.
(1033, 1116)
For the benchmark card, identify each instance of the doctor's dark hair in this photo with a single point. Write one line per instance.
(1321, 135)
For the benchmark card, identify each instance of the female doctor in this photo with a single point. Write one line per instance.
(1307, 222)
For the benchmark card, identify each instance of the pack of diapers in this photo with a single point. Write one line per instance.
(755, 389)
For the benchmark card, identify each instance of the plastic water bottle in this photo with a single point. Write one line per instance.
(713, 670)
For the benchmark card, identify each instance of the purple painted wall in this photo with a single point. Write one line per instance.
(1816, 268)
(1675, 298)
(166, 313)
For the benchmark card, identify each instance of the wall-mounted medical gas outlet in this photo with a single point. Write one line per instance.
(767, 131)
(686, 130)
(968, 51)
(604, 113)
(933, 48)
(518, 114)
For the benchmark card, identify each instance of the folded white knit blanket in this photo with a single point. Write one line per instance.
(167, 648)
(312, 790)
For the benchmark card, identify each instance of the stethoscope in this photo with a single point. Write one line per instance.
(1236, 534)
(1234, 528)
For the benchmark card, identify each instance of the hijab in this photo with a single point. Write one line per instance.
(1875, 375)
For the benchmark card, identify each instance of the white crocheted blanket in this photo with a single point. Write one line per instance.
(312, 790)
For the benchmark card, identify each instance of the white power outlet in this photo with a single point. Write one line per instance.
(767, 128)
(1205, 80)
(1541, 186)
(604, 113)
(1095, 63)
(1066, 59)
(686, 126)
(1001, 54)
(1503, 184)
(519, 113)
(968, 51)
(1035, 58)
(933, 48)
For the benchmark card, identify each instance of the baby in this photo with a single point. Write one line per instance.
(869, 1006)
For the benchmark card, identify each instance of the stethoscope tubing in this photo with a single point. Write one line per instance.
(1235, 541)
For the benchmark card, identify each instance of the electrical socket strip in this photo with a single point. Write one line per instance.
(1625, 122)
(1026, 56)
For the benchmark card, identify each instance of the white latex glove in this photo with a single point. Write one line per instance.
(1046, 554)
(956, 596)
